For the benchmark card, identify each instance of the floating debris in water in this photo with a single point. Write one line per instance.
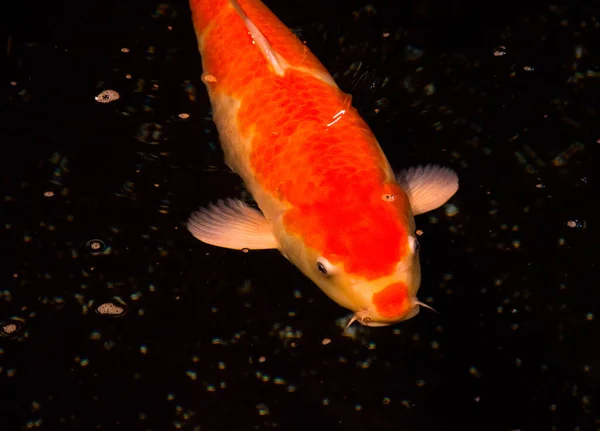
(150, 133)
(164, 10)
(190, 90)
(95, 246)
(475, 372)
(107, 96)
(60, 170)
(263, 409)
(12, 327)
(500, 51)
(451, 210)
(413, 53)
(84, 362)
(577, 224)
(563, 158)
(114, 308)
(429, 89)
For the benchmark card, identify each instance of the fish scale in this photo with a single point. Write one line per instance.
(330, 200)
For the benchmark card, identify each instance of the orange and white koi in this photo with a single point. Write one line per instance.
(328, 198)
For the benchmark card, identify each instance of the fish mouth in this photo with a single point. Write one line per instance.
(364, 316)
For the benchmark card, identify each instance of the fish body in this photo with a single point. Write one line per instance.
(328, 198)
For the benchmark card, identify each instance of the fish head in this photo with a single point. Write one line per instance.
(365, 258)
(391, 298)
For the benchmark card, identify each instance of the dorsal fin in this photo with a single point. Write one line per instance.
(277, 63)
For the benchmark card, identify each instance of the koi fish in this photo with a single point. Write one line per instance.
(329, 200)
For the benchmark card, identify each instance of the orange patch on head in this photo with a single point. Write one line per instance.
(392, 301)
(329, 169)
(348, 221)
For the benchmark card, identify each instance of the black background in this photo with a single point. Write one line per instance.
(216, 339)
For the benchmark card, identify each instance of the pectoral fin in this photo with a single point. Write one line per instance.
(232, 224)
(428, 187)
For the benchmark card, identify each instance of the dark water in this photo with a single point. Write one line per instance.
(95, 196)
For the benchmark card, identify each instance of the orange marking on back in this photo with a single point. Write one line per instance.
(392, 301)
(310, 148)
(333, 176)
(228, 51)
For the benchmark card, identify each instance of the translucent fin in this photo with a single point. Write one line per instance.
(232, 224)
(428, 187)
(277, 63)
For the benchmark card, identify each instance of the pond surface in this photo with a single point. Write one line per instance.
(114, 317)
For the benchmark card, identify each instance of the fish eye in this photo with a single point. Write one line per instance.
(321, 268)
(324, 266)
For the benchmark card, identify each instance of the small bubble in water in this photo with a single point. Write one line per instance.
(263, 409)
(107, 96)
(11, 328)
(451, 210)
(115, 308)
(577, 224)
(95, 246)
(500, 51)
